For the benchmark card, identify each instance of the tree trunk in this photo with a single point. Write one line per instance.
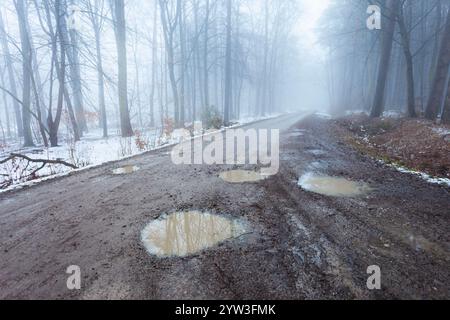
(5, 102)
(440, 75)
(228, 71)
(11, 77)
(27, 69)
(205, 56)
(101, 85)
(168, 31)
(264, 91)
(120, 31)
(53, 124)
(71, 39)
(386, 49)
(182, 64)
(409, 65)
(154, 65)
(446, 112)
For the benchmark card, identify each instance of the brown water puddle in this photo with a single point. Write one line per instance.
(241, 176)
(185, 233)
(125, 170)
(332, 186)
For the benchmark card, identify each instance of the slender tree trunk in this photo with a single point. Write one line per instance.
(182, 64)
(138, 83)
(168, 31)
(409, 65)
(264, 90)
(440, 75)
(154, 64)
(228, 67)
(101, 84)
(446, 112)
(53, 124)
(205, 55)
(71, 38)
(387, 36)
(198, 71)
(436, 41)
(27, 69)
(11, 77)
(120, 31)
(5, 102)
(65, 47)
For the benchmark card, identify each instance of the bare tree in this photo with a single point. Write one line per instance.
(405, 35)
(96, 16)
(392, 7)
(228, 68)
(169, 21)
(120, 32)
(438, 87)
(11, 77)
(154, 63)
(26, 72)
(75, 74)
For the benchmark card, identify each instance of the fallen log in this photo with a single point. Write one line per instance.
(43, 161)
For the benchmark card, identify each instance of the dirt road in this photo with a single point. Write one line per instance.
(301, 246)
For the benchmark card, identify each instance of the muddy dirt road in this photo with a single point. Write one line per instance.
(302, 245)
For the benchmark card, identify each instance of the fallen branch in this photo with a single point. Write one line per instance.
(43, 161)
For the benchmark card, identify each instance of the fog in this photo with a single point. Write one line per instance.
(74, 66)
(271, 64)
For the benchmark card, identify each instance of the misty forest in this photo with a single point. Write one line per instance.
(93, 93)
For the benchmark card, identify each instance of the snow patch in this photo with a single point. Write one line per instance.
(323, 115)
(441, 131)
(422, 175)
(393, 114)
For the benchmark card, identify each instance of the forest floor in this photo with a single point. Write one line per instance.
(417, 144)
(302, 245)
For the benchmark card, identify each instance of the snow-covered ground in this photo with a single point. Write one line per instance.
(441, 131)
(91, 151)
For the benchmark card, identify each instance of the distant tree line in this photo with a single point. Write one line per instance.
(58, 69)
(404, 66)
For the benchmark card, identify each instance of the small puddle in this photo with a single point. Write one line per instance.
(240, 176)
(332, 186)
(125, 170)
(184, 233)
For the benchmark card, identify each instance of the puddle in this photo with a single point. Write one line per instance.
(125, 170)
(332, 186)
(184, 233)
(240, 176)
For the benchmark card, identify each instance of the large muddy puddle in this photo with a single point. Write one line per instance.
(185, 233)
(241, 176)
(125, 170)
(332, 186)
